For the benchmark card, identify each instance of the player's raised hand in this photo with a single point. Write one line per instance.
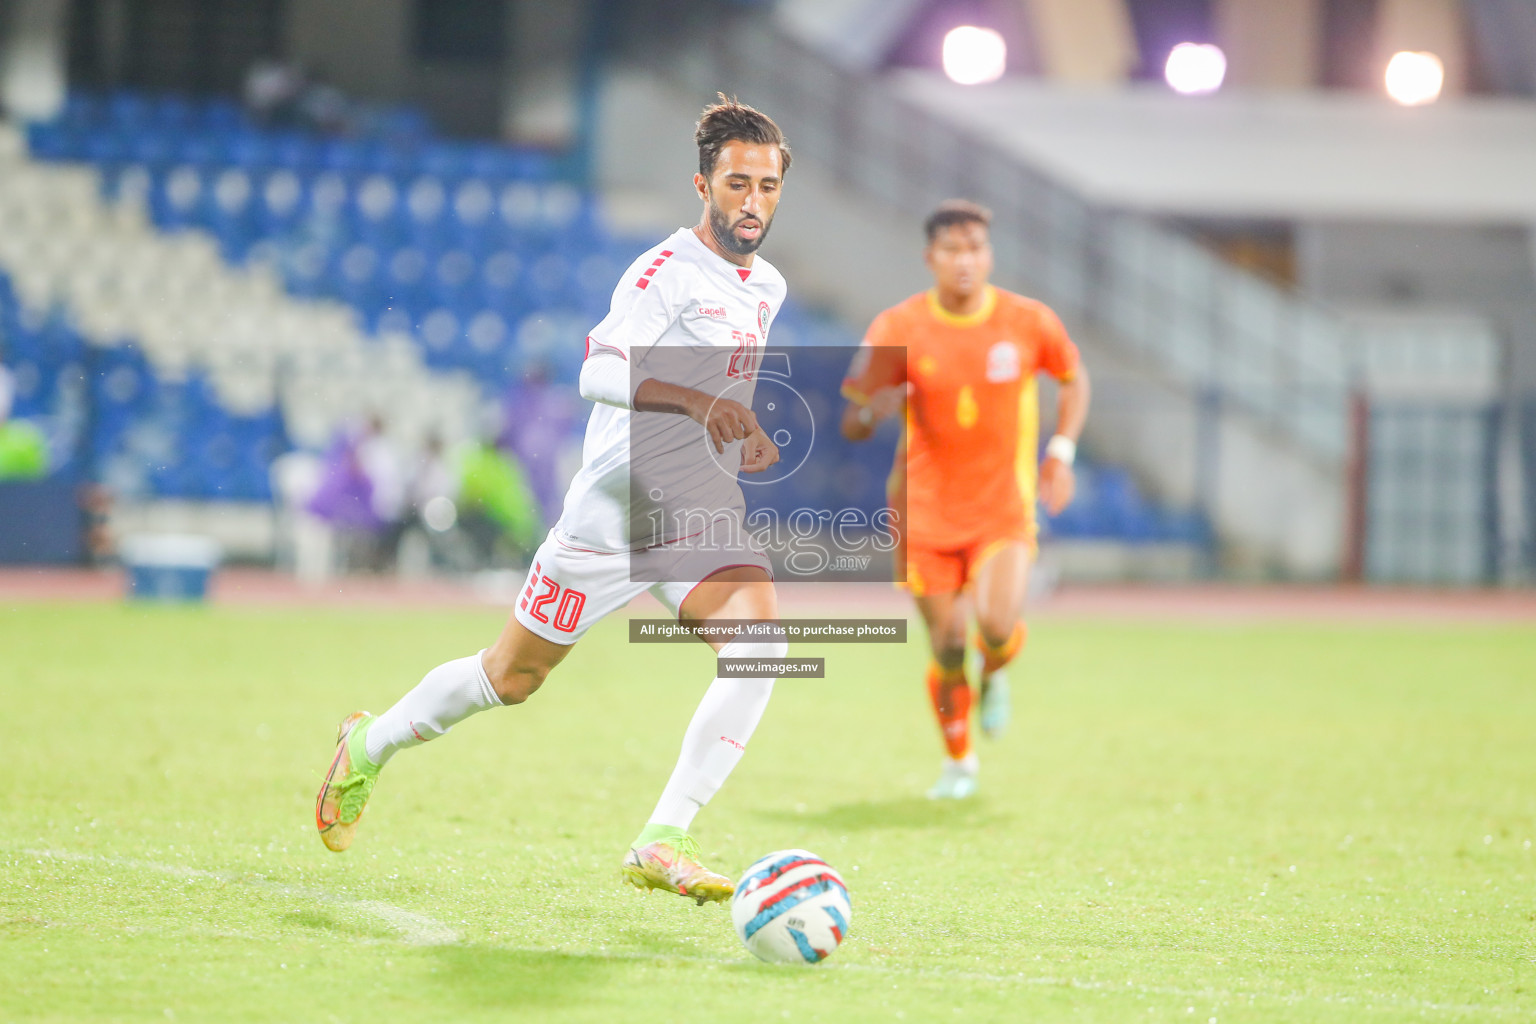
(728, 421)
(1057, 485)
(758, 452)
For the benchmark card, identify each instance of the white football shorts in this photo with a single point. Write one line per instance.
(570, 588)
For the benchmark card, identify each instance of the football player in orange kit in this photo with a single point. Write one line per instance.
(961, 359)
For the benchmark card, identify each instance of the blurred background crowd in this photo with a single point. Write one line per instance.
(312, 277)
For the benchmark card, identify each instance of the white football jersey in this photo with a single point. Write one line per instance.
(684, 315)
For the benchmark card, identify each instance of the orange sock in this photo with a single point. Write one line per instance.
(994, 658)
(951, 695)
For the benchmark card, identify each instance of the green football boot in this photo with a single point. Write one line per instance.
(348, 784)
(667, 858)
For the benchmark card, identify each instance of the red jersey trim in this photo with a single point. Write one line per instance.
(644, 281)
(599, 344)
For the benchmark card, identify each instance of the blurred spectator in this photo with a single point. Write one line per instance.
(23, 452)
(281, 94)
(362, 494)
(23, 448)
(432, 477)
(497, 507)
(381, 463)
(7, 391)
(305, 539)
(424, 533)
(272, 91)
(326, 108)
(345, 497)
(538, 421)
(96, 504)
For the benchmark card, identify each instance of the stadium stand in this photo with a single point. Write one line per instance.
(192, 294)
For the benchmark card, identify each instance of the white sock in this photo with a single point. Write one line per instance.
(445, 697)
(970, 763)
(717, 736)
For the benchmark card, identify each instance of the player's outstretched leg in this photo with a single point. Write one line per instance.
(996, 701)
(446, 696)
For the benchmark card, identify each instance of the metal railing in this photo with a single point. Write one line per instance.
(1219, 330)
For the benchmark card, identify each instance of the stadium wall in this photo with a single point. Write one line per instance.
(1438, 270)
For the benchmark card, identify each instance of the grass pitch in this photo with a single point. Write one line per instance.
(1186, 823)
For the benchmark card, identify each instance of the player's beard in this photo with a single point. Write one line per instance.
(721, 227)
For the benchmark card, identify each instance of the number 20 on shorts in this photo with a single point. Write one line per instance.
(567, 612)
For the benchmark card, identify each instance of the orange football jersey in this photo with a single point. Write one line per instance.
(972, 415)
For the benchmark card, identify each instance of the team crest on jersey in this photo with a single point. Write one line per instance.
(1003, 362)
(762, 320)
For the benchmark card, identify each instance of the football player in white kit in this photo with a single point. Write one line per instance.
(704, 293)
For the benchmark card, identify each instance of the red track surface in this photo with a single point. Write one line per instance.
(1202, 602)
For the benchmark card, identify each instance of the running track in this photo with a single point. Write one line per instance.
(1198, 602)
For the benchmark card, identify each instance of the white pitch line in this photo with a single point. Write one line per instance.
(420, 930)
(415, 929)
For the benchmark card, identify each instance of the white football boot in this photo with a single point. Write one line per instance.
(958, 779)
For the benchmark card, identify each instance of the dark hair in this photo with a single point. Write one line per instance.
(733, 121)
(952, 212)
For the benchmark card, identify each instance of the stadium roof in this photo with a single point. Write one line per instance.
(1303, 156)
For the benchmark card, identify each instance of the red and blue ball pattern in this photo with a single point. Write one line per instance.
(791, 907)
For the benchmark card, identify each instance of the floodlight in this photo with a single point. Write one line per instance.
(974, 55)
(1195, 68)
(1415, 78)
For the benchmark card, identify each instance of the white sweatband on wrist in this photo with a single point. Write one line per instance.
(605, 378)
(866, 416)
(1061, 448)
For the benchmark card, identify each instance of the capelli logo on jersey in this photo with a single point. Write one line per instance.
(713, 312)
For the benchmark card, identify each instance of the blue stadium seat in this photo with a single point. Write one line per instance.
(251, 150)
(83, 110)
(176, 196)
(53, 141)
(198, 150)
(221, 114)
(403, 125)
(170, 112)
(296, 152)
(345, 155)
(377, 201)
(446, 161)
(529, 165)
(127, 110)
(104, 148)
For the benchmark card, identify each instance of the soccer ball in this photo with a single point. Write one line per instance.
(791, 908)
